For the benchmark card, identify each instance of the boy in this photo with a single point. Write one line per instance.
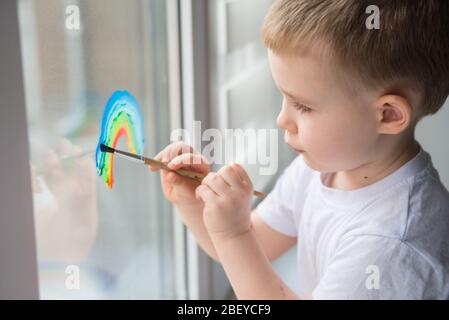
(362, 200)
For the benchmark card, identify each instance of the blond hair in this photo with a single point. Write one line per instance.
(411, 44)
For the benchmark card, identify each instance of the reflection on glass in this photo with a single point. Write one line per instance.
(93, 242)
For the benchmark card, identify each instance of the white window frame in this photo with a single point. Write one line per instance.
(203, 278)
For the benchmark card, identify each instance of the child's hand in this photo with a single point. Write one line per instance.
(178, 189)
(227, 201)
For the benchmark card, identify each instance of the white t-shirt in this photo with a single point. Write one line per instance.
(388, 240)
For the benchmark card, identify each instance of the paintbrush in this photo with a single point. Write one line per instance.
(161, 165)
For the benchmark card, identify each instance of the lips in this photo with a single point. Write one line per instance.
(286, 141)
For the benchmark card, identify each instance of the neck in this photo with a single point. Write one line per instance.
(374, 171)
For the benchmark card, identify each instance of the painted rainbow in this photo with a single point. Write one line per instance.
(121, 117)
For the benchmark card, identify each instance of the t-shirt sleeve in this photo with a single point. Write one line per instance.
(376, 267)
(277, 210)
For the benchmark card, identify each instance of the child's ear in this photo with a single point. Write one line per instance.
(394, 114)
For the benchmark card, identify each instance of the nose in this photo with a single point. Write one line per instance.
(285, 120)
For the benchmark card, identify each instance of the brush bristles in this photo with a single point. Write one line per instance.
(105, 148)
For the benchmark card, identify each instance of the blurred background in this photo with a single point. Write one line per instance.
(183, 60)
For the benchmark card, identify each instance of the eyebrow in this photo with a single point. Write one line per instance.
(298, 98)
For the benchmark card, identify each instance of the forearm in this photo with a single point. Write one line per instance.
(192, 217)
(249, 270)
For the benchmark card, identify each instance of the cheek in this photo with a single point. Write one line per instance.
(335, 143)
(322, 140)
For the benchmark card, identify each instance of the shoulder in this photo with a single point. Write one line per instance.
(406, 228)
(400, 271)
(412, 209)
(427, 193)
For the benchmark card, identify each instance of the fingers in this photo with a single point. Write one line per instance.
(53, 163)
(181, 155)
(242, 173)
(227, 177)
(177, 149)
(171, 151)
(204, 193)
(190, 161)
(65, 148)
(216, 183)
(185, 161)
(230, 175)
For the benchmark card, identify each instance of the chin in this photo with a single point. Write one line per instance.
(314, 166)
(307, 162)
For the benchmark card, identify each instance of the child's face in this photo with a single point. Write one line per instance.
(323, 114)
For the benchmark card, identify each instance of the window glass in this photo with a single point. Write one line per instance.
(243, 93)
(92, 241)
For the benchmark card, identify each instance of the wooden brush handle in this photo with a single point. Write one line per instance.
(189, 174)
(186, 173)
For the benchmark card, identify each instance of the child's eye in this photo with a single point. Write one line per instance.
(301, 107)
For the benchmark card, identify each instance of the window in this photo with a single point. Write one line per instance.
(243, 92)
(243, 95)
(94, 242)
